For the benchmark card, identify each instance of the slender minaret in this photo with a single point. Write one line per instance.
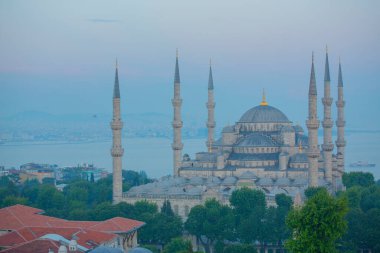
(210, 108)
(340, 123)
(177, 145)
(116, 150)
(327, 124)
(312, 125)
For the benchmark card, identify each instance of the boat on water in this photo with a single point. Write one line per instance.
(362, 164)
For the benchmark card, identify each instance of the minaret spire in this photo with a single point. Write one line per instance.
(177, 123)
(116, 150)
(312, 125)
(210, 109)
(327, 124)
(340, 123)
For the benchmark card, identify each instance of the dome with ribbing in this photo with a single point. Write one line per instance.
(264, 114)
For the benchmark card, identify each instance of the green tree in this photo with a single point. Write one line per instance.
(178, 245)
(280, 230)
(359, 178)
(318, 224)
(239, 248)
(311, 191)
(210, 223)
(249, 208)
(13, 200)
(167, 208)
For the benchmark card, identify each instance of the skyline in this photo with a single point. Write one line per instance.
(58, 52)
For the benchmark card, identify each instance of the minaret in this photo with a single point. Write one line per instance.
(177, 145)
(327, 124)
(312, 125)
(340, 123)
(210, 108)
(116, 150)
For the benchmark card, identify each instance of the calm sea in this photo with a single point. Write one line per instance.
(154, 155)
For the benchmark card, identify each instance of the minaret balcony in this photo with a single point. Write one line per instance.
(177, 146)
(313, 153)
(312, 124)
(328, 147)
(340, 123)
(340, 143)
(340, 103)
(116, 125)
(327, 101)
(117, 151)
(327, 123)
(177, 124)
(210, 105)
(177, 101)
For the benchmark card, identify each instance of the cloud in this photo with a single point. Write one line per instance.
(103, 20)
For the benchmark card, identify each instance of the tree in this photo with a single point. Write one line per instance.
(178, 245)
(239, 248)
(249, 208)
(311, 191)
(167, 209)
(210, 223)
(318, 224)
(284, 205)
(358, 178)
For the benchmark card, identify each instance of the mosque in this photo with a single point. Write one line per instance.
(262, 150)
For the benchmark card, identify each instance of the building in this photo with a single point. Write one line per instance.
(30, 171)
(262, 150)
(23, 228)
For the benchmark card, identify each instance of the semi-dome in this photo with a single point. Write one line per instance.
(264, 114)
(257, 140)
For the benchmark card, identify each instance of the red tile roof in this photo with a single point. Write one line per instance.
(36, 246)
(27, 224)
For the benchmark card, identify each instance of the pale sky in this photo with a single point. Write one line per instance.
(59, 56)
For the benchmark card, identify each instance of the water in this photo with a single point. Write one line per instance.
(154, 155)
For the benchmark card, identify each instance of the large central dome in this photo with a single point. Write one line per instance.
(264, 114)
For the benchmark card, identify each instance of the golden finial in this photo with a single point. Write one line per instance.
(264, 102)
(209, 147)
(300, 146)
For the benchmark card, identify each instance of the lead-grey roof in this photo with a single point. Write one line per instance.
(312, 85)
(257, 140)
(340, 78)
(264, 114)
(265, 181)
(228, 129)
(298, 129)
(176, 74)
(327, 68)
(254, 157)
(248, 175)
(282, 181)
(106, 249)
(116, 90)
(139, 250)
(229, 181)
(299, 158)
(210, 80)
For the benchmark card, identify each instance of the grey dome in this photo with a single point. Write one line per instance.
(228, 129)
(282, 181)
(257, 140)
(287, 129)
(299, 158)
(265, 181)
(264, 114)
(298, 129)
(106, 249)
(248, 175)
(196, 181)
(229, 181)
(300, 181)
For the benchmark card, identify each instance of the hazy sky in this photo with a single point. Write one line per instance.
(58, 56)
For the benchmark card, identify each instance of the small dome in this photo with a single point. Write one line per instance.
(229, 181)
(264, 114)
(228, 129)
(248, 175)
(287, 129)
(300, 181)
(257, 140)
(265, 181)
(298, 158)
(212, 181)
(277, 190)
(282, 181)
(298, 129)
(62, 249)
(195, 191)
(196, 180)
